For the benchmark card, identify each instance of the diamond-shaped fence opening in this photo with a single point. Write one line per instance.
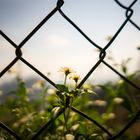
(64, 48)
(46, 123)
(6, 48)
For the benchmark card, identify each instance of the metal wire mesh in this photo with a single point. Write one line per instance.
(18, 56)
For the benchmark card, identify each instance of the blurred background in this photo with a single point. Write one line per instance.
(58, 44)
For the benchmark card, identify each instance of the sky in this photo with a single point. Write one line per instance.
(58, 44)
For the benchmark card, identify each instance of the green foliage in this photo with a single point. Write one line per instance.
(112, 105)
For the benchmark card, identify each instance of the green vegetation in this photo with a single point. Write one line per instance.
(112, 105)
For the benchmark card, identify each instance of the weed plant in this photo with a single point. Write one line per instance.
(112, 105)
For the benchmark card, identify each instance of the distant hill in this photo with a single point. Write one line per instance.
(10, 86)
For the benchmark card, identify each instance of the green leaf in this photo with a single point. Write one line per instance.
(75, 93)
(82, 129)
(62, 88)
(22, 89)
(127, 104)
(61, 95)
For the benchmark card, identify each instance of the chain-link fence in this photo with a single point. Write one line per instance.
(18, 56)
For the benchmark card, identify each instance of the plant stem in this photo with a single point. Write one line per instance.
(66, 116)
(65, 80)
(75, 85)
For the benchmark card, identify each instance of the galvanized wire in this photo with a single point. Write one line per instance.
(18, 56)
